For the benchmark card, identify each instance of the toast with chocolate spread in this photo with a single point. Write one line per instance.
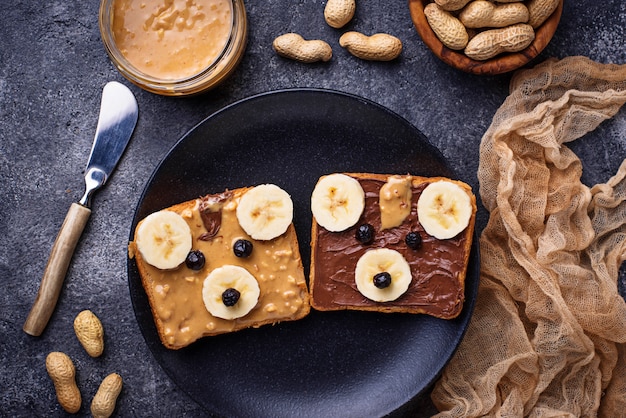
(390, 243)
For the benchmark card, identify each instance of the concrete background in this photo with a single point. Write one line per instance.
(52, 69)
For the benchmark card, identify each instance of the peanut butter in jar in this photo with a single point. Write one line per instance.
(174, 47)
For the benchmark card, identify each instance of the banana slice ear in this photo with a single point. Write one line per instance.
(385, 263)
(444, 209)
(337, 202)
(230, 292)
(265, 212)
(164, 239)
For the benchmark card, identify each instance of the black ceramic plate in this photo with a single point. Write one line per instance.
(330, 363)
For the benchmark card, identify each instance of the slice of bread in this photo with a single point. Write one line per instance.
(176, 295)
(438, 267)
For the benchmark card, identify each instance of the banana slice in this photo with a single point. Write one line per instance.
(164, 239)
(220, 285)
(265, 212)
(337, 202)
(444, 209)
(375, 262)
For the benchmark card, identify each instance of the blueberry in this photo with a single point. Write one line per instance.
(413, 240)
(365, 234)
(230, 296)
(382, 280)
(242, 248)
(195, 260)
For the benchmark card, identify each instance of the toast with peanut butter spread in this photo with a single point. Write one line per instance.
(221, 263)
(390, 243)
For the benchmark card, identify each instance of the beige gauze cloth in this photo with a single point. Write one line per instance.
(548, 334)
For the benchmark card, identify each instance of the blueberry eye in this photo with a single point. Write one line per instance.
(242, 248)
(382, 280)
(413, 240)
(365, 234)
(230, 296)
(195, 260)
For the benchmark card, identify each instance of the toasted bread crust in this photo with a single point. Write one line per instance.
(171, 315)
(317, 290)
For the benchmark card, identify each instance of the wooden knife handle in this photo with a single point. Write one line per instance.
(56, 269)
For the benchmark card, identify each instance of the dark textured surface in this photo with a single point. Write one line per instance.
(52, 70)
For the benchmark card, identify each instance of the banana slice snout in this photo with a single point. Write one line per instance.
(220, 288)
(337, 202)
(265, 212)
(444, 209)
(164, 239)
(382, 263)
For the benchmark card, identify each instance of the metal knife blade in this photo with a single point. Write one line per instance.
(117, 120)
(116, 123)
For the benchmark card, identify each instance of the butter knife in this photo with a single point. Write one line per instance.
(117, 120)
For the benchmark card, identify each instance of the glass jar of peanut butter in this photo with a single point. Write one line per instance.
(174, 47)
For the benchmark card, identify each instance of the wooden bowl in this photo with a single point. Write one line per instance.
(499, 64)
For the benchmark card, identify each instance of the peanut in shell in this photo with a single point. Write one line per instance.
(89, 332)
